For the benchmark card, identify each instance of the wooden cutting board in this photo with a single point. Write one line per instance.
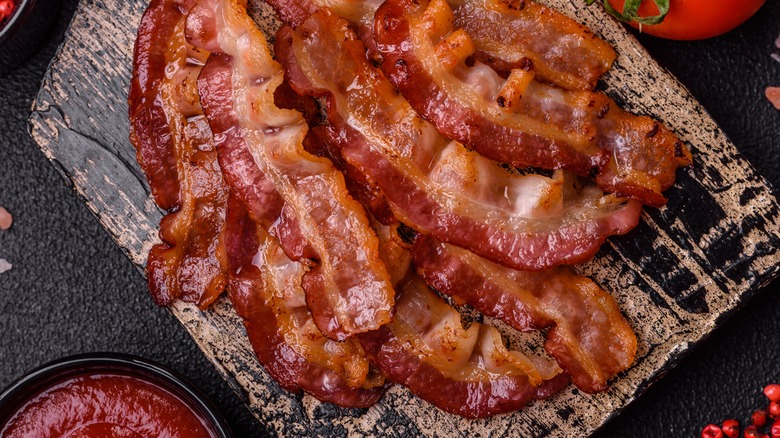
(675, 277)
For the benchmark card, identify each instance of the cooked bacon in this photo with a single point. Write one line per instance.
(176, 151)
(588, 335)
(320, 141)
(265, 288)
(436, 186)
(154, 117)
(539, 125)
(360, 13)
(468, 372)
(348, 288)
(560, 50)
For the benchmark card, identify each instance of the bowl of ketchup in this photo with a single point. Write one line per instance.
(107, 395)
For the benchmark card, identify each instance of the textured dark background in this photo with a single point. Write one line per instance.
(72, 291)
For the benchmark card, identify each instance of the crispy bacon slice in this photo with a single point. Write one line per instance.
(348, 288)
(265, 288)
(588, 335)
(561, 51)
(154, 117)
(468, 372)
(436, 186)
(176, 151)
(519, 120)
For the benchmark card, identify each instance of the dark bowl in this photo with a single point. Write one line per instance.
(23, 33)
(39, 379)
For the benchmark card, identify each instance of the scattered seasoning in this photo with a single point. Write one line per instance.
(761, 426)
(5, 266)
(773, 94)
(5, 219)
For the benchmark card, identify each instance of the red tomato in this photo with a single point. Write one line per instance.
(695, 19)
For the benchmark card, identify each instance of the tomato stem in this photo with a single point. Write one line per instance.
(631, 11)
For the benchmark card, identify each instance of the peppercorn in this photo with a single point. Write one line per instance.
(759, 418)
(772, 392)
(775, 431)
(751, 432)
(774, 409)
(730, 428)
(711, 431)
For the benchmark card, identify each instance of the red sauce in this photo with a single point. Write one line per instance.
(105, 405)
(6, 9)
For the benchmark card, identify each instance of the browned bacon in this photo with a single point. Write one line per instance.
(519, 120)
(348, 289)
(468, 372)
(360, 13)
(176, 151)
(154, 118)
(265, 288)
(561, 51)
(436, 186)
(588, 335)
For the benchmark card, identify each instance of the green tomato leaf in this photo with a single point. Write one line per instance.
(631, 11)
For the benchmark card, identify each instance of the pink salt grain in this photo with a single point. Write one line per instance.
(5, 219)
(773, 94)
(5, 266)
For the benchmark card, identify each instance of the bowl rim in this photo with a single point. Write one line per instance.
(38, 379)
(22, 11)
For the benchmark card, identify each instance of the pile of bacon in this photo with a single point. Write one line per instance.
(376, 157)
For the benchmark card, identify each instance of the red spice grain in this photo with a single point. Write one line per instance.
(775, 430)
(772, 392)
(759, 418)
(751, 432)
(730, 428)
(774, 409)
(711, 431)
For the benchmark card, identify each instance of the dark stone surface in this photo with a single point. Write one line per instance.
(71, 290)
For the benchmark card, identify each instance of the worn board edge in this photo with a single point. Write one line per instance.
(48, 132)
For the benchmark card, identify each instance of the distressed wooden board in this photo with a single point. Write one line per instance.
(675, 277)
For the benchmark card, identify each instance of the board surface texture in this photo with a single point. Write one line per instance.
(680, 272)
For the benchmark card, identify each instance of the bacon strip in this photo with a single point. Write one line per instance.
(348, 288)
(175, 148)
(436, 186)
(519, 120)
(589, 337)
(562, 51)
(154, 117)
(468, 372)
(265, 288)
